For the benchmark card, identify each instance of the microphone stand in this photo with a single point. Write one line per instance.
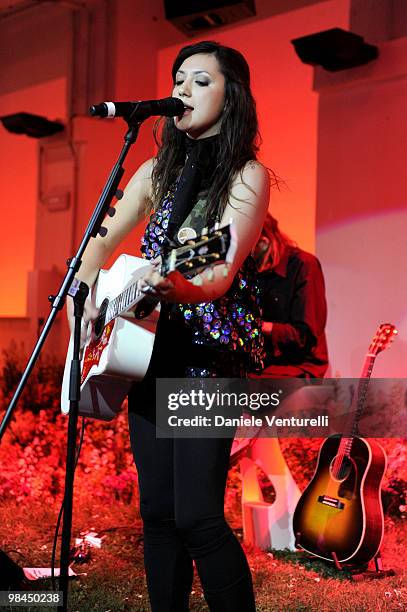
(79, 292)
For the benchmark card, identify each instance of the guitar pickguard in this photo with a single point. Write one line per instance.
(94, 350)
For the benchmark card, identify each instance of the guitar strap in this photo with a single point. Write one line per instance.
(201, 161)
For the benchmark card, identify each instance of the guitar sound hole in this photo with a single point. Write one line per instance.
(99, 324)
(340, 470)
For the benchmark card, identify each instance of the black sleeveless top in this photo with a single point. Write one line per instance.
(230, 323)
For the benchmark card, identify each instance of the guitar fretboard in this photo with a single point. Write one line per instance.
(384, 336)
(123, 302)
(345, 445)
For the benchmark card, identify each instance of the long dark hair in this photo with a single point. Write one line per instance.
(238, 138)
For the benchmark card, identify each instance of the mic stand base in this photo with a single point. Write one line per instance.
(79, 292)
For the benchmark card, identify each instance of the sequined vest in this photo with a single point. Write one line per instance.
(232, 322)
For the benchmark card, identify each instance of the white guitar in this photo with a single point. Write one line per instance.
(120, 341)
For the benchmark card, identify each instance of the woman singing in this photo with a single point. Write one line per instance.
(205, 172)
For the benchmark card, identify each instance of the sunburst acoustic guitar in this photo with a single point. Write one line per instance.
(339, 516)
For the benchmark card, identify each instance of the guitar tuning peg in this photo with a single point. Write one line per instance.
(111, 212)
(204, 231)
(210, 274)
(216, 226)
(103, 231)
(119, 194)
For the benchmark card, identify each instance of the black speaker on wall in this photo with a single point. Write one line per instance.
(31, 125)
(335, 49)
(195, 16)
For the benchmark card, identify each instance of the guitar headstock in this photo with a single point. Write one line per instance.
(385, 334)
(215, 246)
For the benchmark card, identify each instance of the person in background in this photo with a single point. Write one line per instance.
(294, 306)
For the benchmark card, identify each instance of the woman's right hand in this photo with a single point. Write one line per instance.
(267, 327)
(90, 313)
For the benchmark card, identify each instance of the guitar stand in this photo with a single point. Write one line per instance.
(372, 574)
(297, 536)
(362, 572)
(357, 572)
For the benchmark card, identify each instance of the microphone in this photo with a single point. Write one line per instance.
(168, 107)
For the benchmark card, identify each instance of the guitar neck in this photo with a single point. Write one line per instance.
(368, 365)
(126, 300)
(362, 390)
(358, 403)
(382, 339)
(206, 250)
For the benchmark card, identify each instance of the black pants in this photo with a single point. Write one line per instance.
(182, 485)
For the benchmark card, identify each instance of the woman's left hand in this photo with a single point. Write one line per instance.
(173, 288)
(156, 285)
